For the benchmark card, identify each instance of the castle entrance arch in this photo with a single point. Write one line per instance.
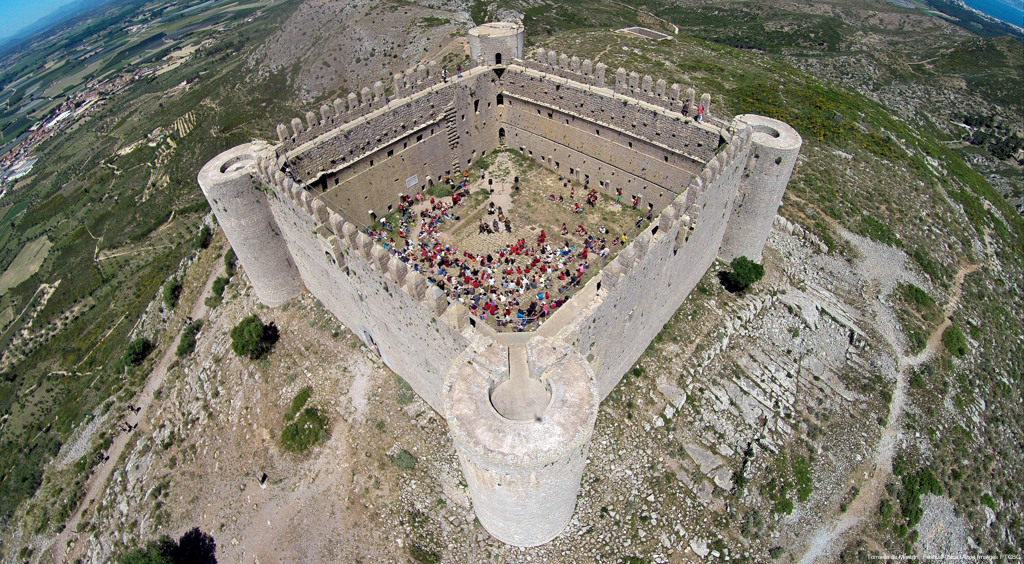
(497, 58)
(501, 136)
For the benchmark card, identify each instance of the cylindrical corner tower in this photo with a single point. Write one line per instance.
(243, 213)
(496, 43)
(522, 435)
(774, 149)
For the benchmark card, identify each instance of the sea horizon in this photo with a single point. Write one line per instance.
(1000, 10)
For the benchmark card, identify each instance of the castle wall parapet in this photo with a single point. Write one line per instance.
(362, 102)
(643, 88)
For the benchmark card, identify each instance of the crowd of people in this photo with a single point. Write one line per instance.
(517, 284)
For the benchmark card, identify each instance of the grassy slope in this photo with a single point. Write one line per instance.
(88, 200)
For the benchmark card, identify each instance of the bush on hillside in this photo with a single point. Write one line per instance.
(745, 273)
(136, 351)
(251, 338)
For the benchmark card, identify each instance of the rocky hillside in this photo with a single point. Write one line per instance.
(330, 48)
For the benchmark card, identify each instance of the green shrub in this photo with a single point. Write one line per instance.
(802, 477)
(885, 510)
(783, 506)
(404, 460)
(308, 429)
(916, 484)
(158, 551)
(253, 339)
(215, 299)
(204, 237)
(172, 291)
(914, 295)
(187, 343)
(930, 267)
(194, 546)
(136, 351)
(745, 272)
(917, 380)
(219, 284)
(230, 260)
(955, 341)
(298, 402)
(917, 341)
(874, 229)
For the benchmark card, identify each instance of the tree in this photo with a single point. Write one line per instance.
(136, 351)
(204, 237)
(197, 547)
(744, 273)
(252, 338)
(172, 291)
(194, 547)
(229, 262)
(187, 342)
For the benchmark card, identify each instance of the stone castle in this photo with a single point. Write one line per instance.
(520, 407)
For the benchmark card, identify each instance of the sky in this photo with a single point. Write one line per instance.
(17, 14)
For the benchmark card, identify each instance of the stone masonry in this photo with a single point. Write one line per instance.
(520, 407)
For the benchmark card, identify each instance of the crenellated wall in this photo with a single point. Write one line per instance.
(657, 124)
(645, 89)
(329, 116)
(667, 260)
(409, 323)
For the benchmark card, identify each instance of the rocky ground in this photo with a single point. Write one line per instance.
(374, 41)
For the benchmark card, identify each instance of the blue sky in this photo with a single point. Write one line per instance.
(16, 14)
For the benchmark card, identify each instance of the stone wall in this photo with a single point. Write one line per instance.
(645, 88)
(581, 149)
(370, 98)
(667, 260)
(352, 141)
(409, 323)
(407, 166)
(656, 125)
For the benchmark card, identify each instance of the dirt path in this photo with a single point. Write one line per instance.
(618, 41)
(131, 252)
(867, 500)
(63, 552)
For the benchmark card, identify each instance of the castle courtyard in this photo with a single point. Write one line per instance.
(512, 240)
